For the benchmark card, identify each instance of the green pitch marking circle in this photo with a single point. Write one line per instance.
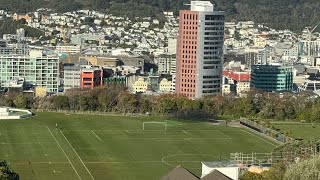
(178, 159)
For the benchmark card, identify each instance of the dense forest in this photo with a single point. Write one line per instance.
(283, 14)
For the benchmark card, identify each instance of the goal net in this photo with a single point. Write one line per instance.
(154, 125)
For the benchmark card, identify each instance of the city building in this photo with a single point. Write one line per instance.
(173, 67)
(226, 89)
(36, 68)
(173, 83)
(165, 85)
(242, 86)
(200, 50)
(69, 49)
(71, 77)
(272, 77)
(116, 80)
(237, 76)
(90, 77)
(95, 58)
(140, 86)
(172, 45)
(164, 62)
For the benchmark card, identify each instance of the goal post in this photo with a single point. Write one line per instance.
(154, 122)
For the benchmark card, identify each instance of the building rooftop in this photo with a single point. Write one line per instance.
(179, 173)
(201, 6)
(215, 175)
(219, 164)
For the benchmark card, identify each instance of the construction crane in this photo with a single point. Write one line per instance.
(309, 38)
(64, 38)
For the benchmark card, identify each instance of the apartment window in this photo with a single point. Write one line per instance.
(87, 79)
(209, 67)
(211, 62)
(214, 17)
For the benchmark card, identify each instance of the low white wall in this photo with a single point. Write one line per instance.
(5, 116)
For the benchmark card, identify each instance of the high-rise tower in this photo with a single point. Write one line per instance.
(200, 50)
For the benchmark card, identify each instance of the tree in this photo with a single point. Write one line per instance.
(20, 101)
(88, 20)
(83, 102)
(276, 172)
(145, 104)
(6, 173)
(61, 102)
(127, 103)
(22, 21)
(166, 104)
(304, 170)
(103, 23)
(251, 176)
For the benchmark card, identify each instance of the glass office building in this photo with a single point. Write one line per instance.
(272, 77)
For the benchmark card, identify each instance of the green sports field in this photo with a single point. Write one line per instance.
(114, 147)
(300, 130)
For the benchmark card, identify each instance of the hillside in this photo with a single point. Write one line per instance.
(283, 14)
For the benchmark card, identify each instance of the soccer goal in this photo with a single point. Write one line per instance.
(154, 125)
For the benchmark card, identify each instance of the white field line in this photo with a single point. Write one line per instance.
(22, 163)
(184, 131)
(123, 133)
(42, 149)
(147, 131)
(157, 139)
(116, 162)
(173, 140)
(63, 152)
(77, 155)
(260, 138)
(127, 131)
(54, 171)
(28, 143)
(96, 135)
(224, 134)
(172, 155)
(207, 138)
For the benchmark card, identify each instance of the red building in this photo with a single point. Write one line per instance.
(237, 76)
(91, 77)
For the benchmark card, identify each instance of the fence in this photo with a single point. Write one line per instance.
(266, 131)
(95, 113)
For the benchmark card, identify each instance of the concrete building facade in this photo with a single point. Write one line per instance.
(35, 68)
(165, 62)
(71, 77)
(72, 49)
(200, 50)
(91, 77)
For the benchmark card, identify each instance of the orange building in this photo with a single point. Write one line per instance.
(90, 77)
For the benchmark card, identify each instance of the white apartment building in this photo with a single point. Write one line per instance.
(36, 68)
(71, 77)
(165, 62)
(72, 49)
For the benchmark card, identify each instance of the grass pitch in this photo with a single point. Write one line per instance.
(300, 130)
(114, 147)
